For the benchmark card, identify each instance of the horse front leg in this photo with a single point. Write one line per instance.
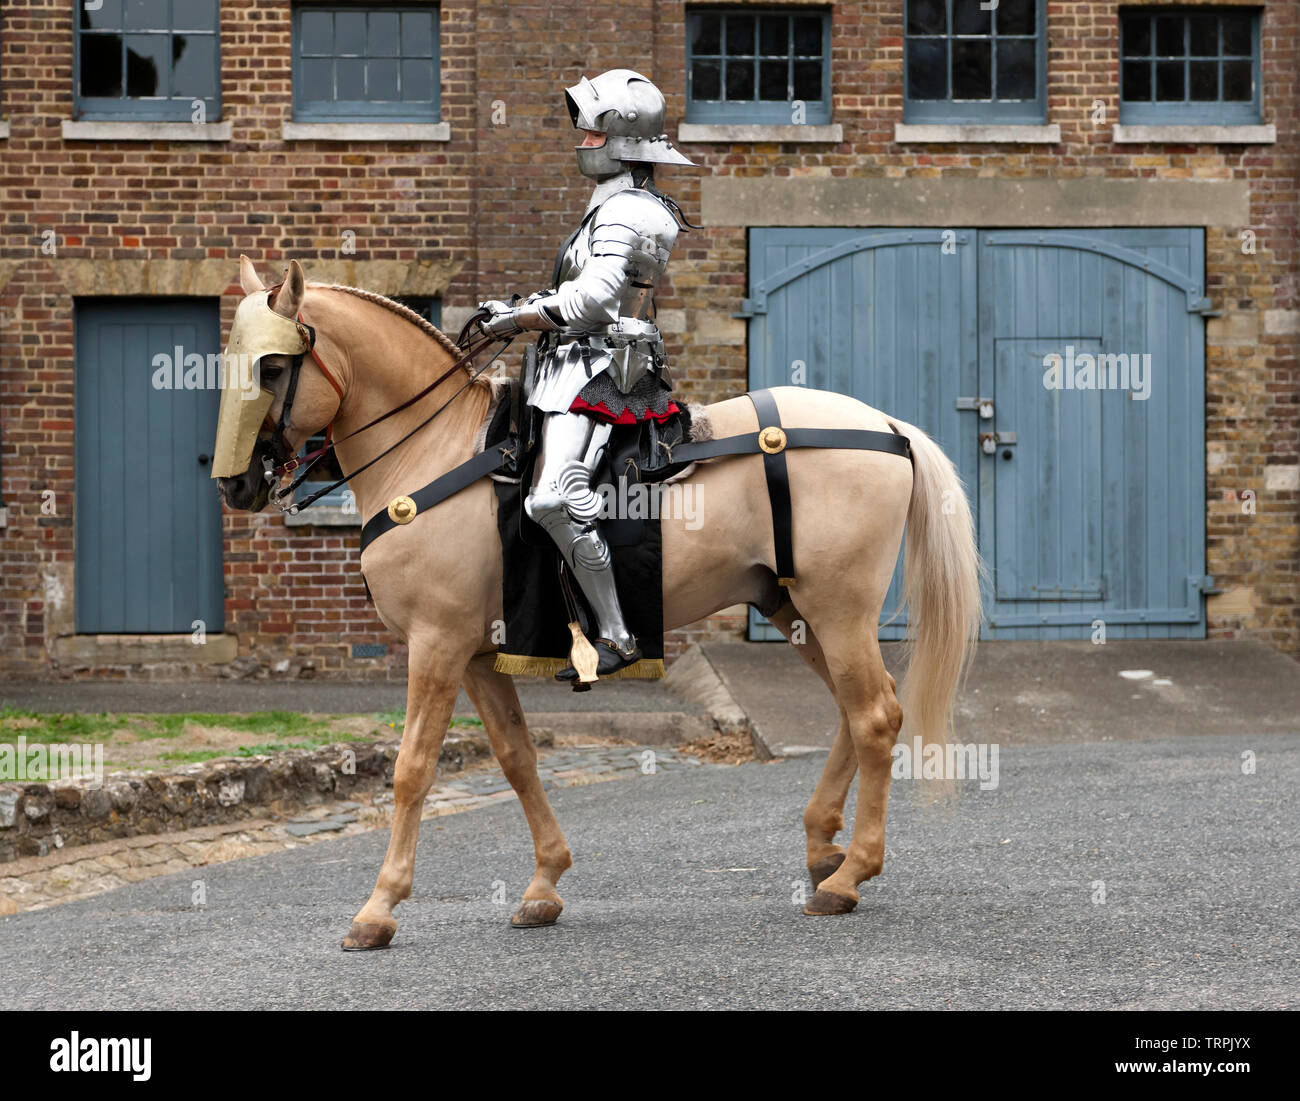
(494, 697)
(433, 682)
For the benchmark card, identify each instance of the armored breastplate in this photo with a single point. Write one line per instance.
(646, 260)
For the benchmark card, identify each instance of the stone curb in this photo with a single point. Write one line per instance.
(71, 854)
(38, 819)
(694, 677)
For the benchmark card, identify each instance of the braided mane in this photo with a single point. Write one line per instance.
(404, 312)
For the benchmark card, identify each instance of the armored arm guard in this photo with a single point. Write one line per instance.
(631, 238)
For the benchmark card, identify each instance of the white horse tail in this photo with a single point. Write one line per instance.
(941, 582)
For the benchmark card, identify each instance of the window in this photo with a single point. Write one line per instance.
(365, 64)
(428, 308)
(148, 60)
(341, 503)
(967, 65)
(1199, 66)
(751, 66)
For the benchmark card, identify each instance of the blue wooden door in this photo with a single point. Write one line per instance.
(887, 316)
(1090, 502)
(148, 520)
(1097, 512)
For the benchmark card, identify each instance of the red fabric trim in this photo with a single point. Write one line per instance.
(602, 412)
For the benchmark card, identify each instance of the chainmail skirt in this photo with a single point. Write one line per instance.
(649, 399)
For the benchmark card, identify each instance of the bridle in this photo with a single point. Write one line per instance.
(281, 459)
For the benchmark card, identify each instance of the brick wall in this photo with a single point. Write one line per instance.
(481, 215)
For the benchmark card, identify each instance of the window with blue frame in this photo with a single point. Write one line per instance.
(363, 63)
(747, 65)
(1193, 66)
(148, 60)
(963, 64)
(327, 470)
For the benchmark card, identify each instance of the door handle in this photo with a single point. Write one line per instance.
(204, 460)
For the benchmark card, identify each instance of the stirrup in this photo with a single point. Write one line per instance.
(612, 659)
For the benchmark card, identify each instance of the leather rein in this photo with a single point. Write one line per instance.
(275, 470)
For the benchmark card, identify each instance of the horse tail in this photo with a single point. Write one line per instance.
(941, 583)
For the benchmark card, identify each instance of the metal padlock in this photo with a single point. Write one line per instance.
(986, 410)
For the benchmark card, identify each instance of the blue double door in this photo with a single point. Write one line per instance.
(1063, 372)
(148, 519)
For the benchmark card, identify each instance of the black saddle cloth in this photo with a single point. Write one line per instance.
(537, 637)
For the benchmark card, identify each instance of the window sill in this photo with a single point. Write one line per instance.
(4, 130)
(325, 516)
(366, 131)
(953, 133)
(79, 130)
(1194, 135)
(739, 133)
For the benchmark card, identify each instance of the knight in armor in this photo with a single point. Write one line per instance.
(601, 356)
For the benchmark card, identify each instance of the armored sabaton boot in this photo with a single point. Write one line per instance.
(567, 511)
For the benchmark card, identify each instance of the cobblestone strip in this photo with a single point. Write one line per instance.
(38, 882)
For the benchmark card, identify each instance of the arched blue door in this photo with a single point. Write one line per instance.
(1086, 347)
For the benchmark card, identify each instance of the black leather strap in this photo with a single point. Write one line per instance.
(774, 465)
(486, 462)
(494, 459)
(852, 439)
(778, 487)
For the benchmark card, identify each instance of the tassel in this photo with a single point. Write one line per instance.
(582, 655)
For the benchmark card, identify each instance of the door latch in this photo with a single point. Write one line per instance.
(982, 406)
(991, 441)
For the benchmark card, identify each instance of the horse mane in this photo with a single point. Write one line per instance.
(404, 312)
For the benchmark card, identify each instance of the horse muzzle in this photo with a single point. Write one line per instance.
(250, 490)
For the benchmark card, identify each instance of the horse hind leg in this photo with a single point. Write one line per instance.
(494, 697)
(823, 817)
(866, 692)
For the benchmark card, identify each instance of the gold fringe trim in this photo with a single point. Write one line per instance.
(525, 665)
(645, 669)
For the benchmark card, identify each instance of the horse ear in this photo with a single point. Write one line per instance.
(288, 301)
(248, 277)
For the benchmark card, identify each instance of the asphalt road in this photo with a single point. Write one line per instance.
(682, 898)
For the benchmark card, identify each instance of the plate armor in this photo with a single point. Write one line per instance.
(606, 279)
(601, 358)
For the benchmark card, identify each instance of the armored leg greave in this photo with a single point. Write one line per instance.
(563, 503)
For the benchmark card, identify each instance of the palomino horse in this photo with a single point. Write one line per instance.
(436, 581)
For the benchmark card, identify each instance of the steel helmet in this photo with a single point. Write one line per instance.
(629, 110)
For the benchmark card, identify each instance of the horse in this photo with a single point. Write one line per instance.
(436, 582)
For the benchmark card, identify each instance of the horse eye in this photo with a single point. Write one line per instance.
(270, 374)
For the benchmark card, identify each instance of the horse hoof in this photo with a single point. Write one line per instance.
(823, 868)
(828, 902)
(536, 911)
(365, 935)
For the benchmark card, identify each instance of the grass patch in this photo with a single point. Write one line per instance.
(157, 741)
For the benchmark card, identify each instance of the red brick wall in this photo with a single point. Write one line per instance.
(499, 197)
